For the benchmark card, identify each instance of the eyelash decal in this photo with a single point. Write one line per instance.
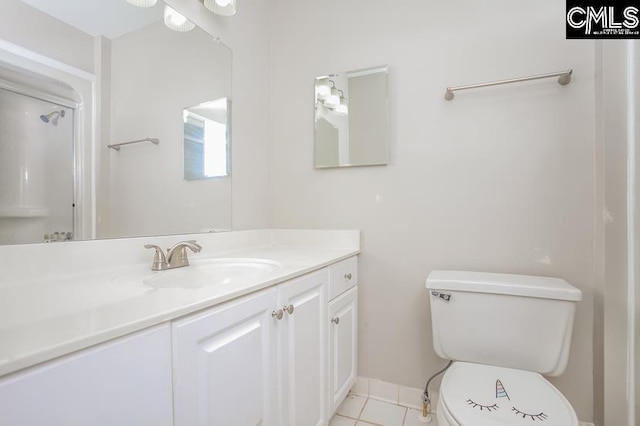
(482, 407)
(534, 417)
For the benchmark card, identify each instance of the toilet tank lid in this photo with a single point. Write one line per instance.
(510, 284)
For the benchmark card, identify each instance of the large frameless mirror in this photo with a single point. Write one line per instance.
(146, 74)
(352, 118)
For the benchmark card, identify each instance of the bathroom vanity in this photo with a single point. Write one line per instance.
(270, 340)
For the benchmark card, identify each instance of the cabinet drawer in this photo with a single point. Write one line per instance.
(342, 276)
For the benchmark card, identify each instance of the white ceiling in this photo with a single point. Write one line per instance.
(109, 18)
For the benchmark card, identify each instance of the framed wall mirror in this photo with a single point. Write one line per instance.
(352, 118)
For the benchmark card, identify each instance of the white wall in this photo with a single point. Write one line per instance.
(499, 179)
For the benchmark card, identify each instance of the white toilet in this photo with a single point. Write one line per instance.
(503, 332)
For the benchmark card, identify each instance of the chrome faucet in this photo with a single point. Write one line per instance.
(176, 256)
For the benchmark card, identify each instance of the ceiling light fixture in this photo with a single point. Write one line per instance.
(143, 3)
(221, 7)
(176, 21)
(330, 97)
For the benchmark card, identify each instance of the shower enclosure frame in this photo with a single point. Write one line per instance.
(29, 92)
(617, 250)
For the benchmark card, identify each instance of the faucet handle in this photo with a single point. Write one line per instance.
(159, 260)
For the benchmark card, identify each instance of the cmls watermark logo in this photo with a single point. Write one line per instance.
(599, 20)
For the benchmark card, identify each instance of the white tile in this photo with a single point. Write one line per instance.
(413, 418)
(361, 423)
(383, 391)
(342, 421)
(383, 413)
(361, 386)
(352, 406)
(410, 397)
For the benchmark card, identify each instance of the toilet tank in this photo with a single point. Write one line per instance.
(516, 321)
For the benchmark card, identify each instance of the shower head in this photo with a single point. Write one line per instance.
(52, 116)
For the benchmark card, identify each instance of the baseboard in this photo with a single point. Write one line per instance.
(391, 392)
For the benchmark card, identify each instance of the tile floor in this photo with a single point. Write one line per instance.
(361, 411)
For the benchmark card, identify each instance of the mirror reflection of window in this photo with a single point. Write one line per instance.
(206, 146)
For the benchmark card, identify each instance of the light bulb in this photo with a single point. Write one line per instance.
(333, 99)
(142, 3)
(342, 108)
(322, 88)
(221, 7)
(176, 21)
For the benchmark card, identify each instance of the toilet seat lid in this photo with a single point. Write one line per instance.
(485, 395)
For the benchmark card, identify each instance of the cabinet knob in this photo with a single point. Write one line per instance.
(277, 314)
(347, 276)
(335, 320)
(289, 309)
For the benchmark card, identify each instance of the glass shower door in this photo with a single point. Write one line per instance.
(36, 169)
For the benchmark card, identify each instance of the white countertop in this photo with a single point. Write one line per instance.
(46, 316)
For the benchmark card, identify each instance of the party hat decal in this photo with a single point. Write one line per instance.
(500, 392)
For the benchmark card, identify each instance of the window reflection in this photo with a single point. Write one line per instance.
(206, 142)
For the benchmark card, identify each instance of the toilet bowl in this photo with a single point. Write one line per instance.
(485, 395)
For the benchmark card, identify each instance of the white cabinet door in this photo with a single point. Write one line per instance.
(343, 346)
(225, 364)
(125, 382)
(260, 360)
(304, 350)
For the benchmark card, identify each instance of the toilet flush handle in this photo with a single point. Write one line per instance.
(444, 296)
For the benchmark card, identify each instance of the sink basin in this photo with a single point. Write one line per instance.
(205, 272)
